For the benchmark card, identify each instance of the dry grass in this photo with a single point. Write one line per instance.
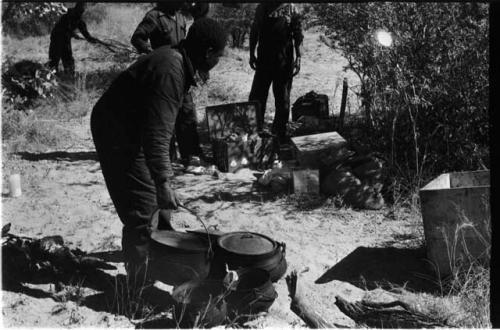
(465, 294)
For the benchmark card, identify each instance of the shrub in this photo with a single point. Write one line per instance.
(95, 13)
(23, 19)
(425, 98)
(236, 21)
(25, 81)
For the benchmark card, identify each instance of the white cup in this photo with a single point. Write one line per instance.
(15, 185)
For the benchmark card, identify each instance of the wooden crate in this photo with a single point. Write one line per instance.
(306, 181)
(230, 156)
(262, 151)
(447, 202)
(224, 119)
(312, 150)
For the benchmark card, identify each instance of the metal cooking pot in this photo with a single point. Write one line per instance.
(178, 257)
(252, 250)
(253, 294)
(200, 303)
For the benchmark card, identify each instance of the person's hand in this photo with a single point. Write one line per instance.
(166, 197)
(296, 66)
(253, 61)
(164, 220)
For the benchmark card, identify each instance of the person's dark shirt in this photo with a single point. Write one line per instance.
(277, 30)
(67, 25)
(143, 103)
(160, 29)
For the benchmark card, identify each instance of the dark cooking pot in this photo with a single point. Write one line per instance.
(178, 257)
(252, 250)
(200, 303)
(254, 293)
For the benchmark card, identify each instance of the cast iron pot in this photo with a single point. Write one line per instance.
(177, 257)
(200, 303)
(254, 293)
(252, 250)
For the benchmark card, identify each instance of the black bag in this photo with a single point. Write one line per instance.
(311, 104)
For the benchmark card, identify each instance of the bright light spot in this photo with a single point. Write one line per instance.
(384, 38)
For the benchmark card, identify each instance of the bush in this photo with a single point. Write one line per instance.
(425, 98)
(236, 21)
(95, 13)
(25, 81)
(23, 19)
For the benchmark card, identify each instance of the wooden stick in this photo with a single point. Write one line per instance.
(342, 105)
(299, 307)
(383, 315)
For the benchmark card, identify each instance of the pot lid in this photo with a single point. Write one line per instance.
(203, 233)
(247, 243)
(179, 240)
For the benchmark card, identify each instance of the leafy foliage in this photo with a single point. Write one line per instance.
(25, 81)
(236, 21)
(425, 98)
(30, 19)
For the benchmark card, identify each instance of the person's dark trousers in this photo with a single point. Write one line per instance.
(282, 84)
(130, 187)
(60, 49)
(186, 130)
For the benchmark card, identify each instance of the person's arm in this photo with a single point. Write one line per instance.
(83, 29)
(140, 38)
(298, 37)
(254, 35)
(162, 104)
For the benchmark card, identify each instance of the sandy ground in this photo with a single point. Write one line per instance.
(339, 251)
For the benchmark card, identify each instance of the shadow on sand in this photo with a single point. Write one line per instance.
(59, 156)
(115, 294)
(386, 267)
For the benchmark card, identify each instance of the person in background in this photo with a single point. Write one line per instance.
(277, 31)
(165, 25)
(60, 38)
(132, 125)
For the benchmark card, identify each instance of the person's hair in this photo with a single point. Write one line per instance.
(206, 33)
(170, 6)
(80, 7)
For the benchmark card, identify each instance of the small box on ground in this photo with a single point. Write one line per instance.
(230, 156)
(226, 119)
(306, 181)
(313, 150)
(229, 127)
(457, 220)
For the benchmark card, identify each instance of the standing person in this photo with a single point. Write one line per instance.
(132, 125)
(165, 25)
(277, 31)
(60, 38)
